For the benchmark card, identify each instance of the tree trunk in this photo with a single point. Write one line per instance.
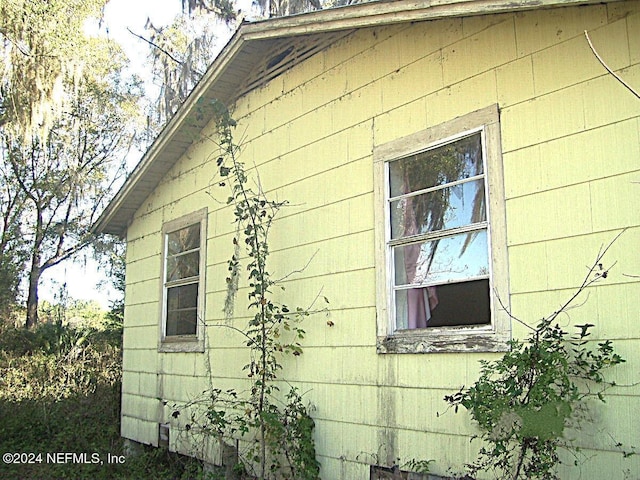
(32, 298)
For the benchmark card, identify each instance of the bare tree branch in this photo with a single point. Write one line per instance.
(155, 45)
(608, 69)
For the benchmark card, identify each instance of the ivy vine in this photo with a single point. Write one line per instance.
(277, 427)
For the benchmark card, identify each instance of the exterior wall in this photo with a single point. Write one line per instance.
(571, 157)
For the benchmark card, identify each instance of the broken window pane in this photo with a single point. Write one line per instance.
(183, 266)
(455, 304)
(183, 240)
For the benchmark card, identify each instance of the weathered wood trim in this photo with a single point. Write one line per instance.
(433, 342)
(184, 343)
(491, 338)
(389, 12)
(425, 139)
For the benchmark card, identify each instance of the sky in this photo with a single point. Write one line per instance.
(122, 14)
(82, 279)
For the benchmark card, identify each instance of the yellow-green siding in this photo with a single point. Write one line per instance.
(571, 154)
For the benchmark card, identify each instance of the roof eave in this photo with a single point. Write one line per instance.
(105, 223)
(385, 12)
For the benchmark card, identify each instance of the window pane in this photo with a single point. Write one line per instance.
(448, 207)
(455, 258)
(182, 309)
(184, 296)
(183, 266)
(449, 163)
(182, 240)
(454, 304)
(182, 322)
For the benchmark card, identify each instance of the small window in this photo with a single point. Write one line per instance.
(183, 282)
(442, 271)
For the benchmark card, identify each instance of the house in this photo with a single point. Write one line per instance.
(346, 113)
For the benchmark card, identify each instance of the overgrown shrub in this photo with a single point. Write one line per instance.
(60, 394)
(524, 401)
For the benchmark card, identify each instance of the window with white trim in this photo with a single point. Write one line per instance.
(441, 239)
(184, 242)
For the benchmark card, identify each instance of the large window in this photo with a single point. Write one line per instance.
(442, 269)
(183, 281)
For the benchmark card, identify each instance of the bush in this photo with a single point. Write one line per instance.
(17, 341)
(60, 394)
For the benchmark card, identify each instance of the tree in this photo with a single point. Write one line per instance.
(40, 46)
(109, 252)
(223, 9)
(65, 128)
(12, 251)
(180, 54)
(269, 8)
(283, 8)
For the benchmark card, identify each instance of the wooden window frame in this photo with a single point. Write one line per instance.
(184, 343)
(493, 337)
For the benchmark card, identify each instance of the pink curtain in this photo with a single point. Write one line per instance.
(420, 301)
(420, 304)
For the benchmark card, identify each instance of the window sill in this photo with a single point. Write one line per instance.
(186, 343)
(448, 340)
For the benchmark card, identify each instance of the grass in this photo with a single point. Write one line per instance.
(60, 409)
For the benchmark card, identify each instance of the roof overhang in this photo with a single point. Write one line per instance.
(258, 52)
